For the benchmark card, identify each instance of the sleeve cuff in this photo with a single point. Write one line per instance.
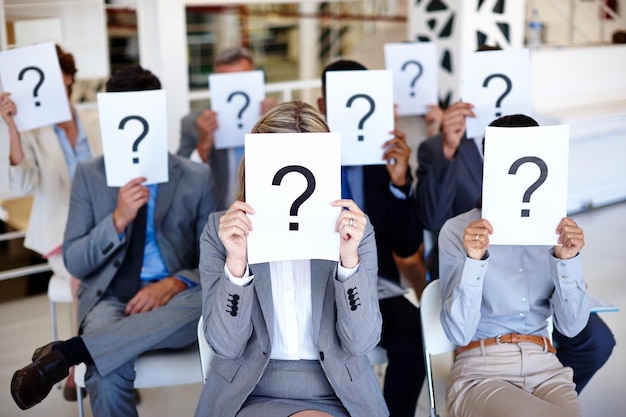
(188, 282)
(401, 193)
(343, 274)
(243, 281)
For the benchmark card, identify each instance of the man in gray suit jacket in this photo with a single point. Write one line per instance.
(197, 129)
(129, 302)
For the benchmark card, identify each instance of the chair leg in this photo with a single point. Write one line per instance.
(79, 400)
(53, 319)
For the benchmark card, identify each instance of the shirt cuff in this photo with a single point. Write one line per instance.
(343, 274)
(243, 281)
(188, 282)
(400, 192)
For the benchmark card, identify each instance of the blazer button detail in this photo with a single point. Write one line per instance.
(322, 356)
(107, 248)
(99, 293)
(232, 305)
(116, 264)
(353, 299)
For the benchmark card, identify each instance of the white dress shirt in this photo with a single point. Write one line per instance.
(291, 293)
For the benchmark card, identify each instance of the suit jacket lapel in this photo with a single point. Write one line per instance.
(320, 276)
(52, 148)
(166, 191)
(263, 289)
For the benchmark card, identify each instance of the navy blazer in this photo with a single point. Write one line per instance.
(447, 188)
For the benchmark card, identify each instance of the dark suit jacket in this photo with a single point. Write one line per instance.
(92, 249)
(241, 333)
(386, 214)
(218, 160)
(445, 188)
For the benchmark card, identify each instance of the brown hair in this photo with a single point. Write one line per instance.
(290, 117)
(66, 61)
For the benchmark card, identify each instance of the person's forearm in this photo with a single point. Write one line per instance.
(16, 153)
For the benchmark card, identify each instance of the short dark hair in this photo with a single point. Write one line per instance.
(132, 78)
(340, 65)
(514, 120)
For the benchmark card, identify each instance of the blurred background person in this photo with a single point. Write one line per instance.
(43, 162)
(198, 127)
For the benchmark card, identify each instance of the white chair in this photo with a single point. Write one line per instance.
(159, 368)
(429, 243)
(377, 357)
(435, 342)
(59, 291)
(206, 353)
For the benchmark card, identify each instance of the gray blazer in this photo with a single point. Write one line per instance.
(218, 160)
(242, 337)
(92, 249)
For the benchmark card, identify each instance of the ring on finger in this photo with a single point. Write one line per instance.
(477, 236)
(351, 222)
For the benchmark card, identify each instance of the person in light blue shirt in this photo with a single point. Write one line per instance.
(497, 300)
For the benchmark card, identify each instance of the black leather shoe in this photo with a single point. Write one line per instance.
(31, 384)
(43, 350)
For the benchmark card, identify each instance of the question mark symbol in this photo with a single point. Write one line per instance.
(140, 138)
(543, 168)
(245, 106)
(368, 114)
(419, 74)
(310, 179)
(41, 78)
(507, 80)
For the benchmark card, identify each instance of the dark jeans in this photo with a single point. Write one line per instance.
(586, 352)
(405, 372)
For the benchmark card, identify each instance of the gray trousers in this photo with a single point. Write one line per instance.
(115, 340)
(513, 380)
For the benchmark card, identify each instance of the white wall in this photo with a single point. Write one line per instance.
(585, 87)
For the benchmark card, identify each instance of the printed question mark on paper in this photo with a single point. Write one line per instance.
(368, 114)
(310, 179)
(543, 174)
(507, 80)
(417, 76)
(245, 106)
(140, 137)
(41, 78)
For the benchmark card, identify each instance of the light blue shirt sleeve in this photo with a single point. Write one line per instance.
(73, 155)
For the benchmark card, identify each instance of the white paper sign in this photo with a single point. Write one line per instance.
(236, 98)
(33, 76)
(134, 136)
(291, 179)
(359, 105)
(415, 75)
(525, 183)
(497, 83)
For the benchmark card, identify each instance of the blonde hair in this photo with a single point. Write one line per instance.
(290, 117)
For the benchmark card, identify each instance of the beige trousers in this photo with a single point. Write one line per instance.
(515, 380)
